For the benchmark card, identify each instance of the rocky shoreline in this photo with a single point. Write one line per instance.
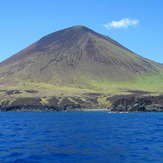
(138, 104)
(30, 108)
(39, 108)
(125, 105)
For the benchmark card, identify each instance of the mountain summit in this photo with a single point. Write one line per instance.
(78, 59)
(74, 54)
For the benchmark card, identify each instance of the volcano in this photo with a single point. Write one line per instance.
(74, 62)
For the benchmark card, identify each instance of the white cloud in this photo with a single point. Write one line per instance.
(123, 23)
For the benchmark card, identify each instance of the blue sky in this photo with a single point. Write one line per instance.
(136, 24)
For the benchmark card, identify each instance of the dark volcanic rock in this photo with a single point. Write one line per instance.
(10, 92)
(35, 104)
(27, 108)
(138, 104)
(31, 91)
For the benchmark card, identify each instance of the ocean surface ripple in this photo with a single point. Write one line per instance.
(81, 137)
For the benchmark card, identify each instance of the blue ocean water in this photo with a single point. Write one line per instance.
(81, 137)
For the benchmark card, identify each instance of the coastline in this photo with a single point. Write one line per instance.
(123, 105)
(93, 110)
(44, 108)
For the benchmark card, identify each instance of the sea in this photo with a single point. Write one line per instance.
(81, 137)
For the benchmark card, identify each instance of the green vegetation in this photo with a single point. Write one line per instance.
(2, 100)
(44, 100)
(48, 86)
(151, 83)
(103, 102)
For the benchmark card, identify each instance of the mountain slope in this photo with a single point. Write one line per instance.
(75, 53)
(75, 60)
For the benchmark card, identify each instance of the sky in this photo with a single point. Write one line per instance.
(136, 24)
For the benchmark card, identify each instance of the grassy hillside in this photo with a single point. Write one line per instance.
(95, 96)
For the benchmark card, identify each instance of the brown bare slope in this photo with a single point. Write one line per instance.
(70, 56)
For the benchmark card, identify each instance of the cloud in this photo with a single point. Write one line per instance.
(123, 23)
